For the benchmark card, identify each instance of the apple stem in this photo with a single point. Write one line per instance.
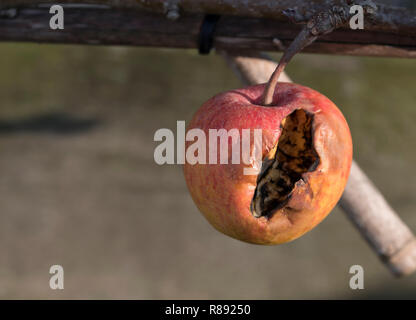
(304, 38)
(321, 23)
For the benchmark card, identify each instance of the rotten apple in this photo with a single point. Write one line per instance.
(306, 157)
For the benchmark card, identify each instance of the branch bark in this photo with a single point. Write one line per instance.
(386, 18)
(363, 204)
(101, 25)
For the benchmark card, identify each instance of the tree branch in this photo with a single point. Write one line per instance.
(386, 18)
(101, 25)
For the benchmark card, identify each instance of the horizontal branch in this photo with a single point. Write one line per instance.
(386, 18)
(101, 25)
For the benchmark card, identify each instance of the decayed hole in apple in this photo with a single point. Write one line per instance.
(285, 164)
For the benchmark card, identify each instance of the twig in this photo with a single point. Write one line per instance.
(321, 23)
(362, 202)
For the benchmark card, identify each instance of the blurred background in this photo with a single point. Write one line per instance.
(79, 186)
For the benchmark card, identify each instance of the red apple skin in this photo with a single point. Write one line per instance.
(223, 193)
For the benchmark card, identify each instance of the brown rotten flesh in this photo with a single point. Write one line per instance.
(293, 156)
